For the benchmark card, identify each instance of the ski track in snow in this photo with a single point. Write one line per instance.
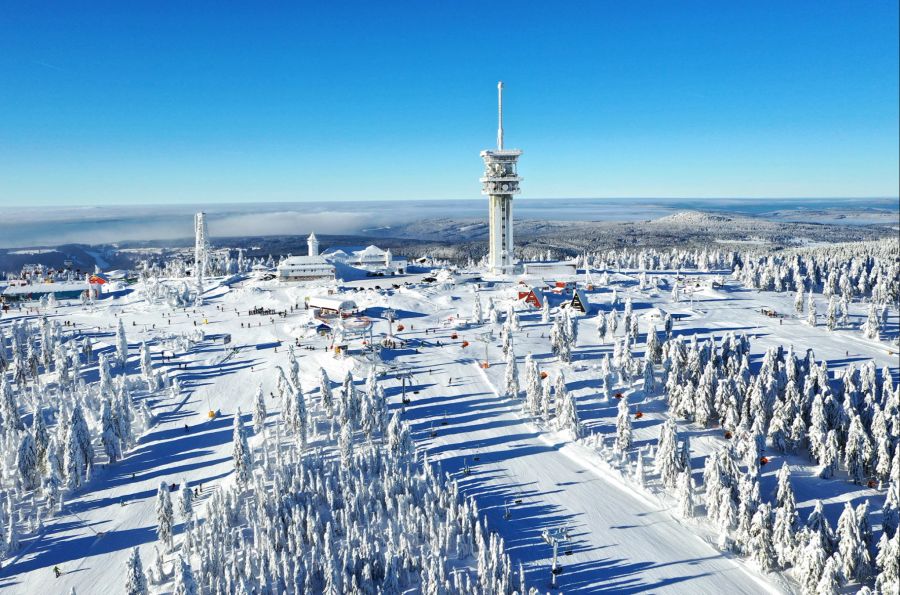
(622, 540)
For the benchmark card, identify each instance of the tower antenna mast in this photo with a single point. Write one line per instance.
(500, 116)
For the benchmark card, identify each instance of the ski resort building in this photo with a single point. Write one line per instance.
(330, 307)
(579, 302)
(532, 296)
(34, 291)
(371, 258)
(306, 268)
(550, 269)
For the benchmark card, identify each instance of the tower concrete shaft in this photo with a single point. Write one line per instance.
(500, 182)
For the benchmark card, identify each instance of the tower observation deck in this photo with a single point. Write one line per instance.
(500, 182)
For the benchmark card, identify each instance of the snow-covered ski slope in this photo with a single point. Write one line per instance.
(525, 477)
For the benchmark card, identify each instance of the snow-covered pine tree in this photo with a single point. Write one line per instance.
(810, 564)
(623, 426)
(109, 432)
(184, 578)
(872, 326)
(654, 348)
(545, 311)
(762, 549)
(786, 519)
(888, 561)
(240, 453)
(325, 393)
(685, 493)
(831, 580)
(546, 401)
(300, 419)
(135, 580)
(811, 310)
(854, 558)
(165, 517)
(566, 408)
(477, 314)
(601, 329)
(649, 380)
(27, 462)
(259, 411)
(798, 300)
(121, 345)
(532, 386)
(831, 314)
(667, 454)
(511, 378)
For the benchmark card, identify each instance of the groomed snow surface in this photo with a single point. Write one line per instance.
(526, 476)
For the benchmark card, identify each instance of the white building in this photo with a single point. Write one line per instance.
(306, 268)
(371, 258)
(500, 183)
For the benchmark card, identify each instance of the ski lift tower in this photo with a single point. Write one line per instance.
(487, 338)
(201, 253)
(500, 182)
(389, 314)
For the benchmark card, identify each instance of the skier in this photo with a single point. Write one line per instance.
(187, 429)
(57, 571)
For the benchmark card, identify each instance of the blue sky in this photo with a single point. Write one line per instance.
(168, 102)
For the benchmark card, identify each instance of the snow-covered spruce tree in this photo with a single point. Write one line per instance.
(477, 314)
(147, 367)
(135, 580)
(399, 441)
(623, 426)
(511, 378)
(654, 348)
(831, 580)
(240, 452)
(9, 407)
(649, 386)
(854, 557)
(685, 493)
(165, 517)
(871, 327)
(830, 456)
(566, 408)
(890, 511)
(184, 578)
(300, 419)
(121, 345)
(186, 503)
(345, 445)
(786, 519)
(855, 448)
(547, 405)
(79, 428)
(667, 454)
(325, 393)
(831, 314)
(762, 549)
(810, 564)
(888, 561)
(259, 411)
(601, 329)
(73, 464)
(811, 311)
(109, 432)
(545, 311)
(532, 386)
(27, 462)
(798, 300)
(293, 368)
